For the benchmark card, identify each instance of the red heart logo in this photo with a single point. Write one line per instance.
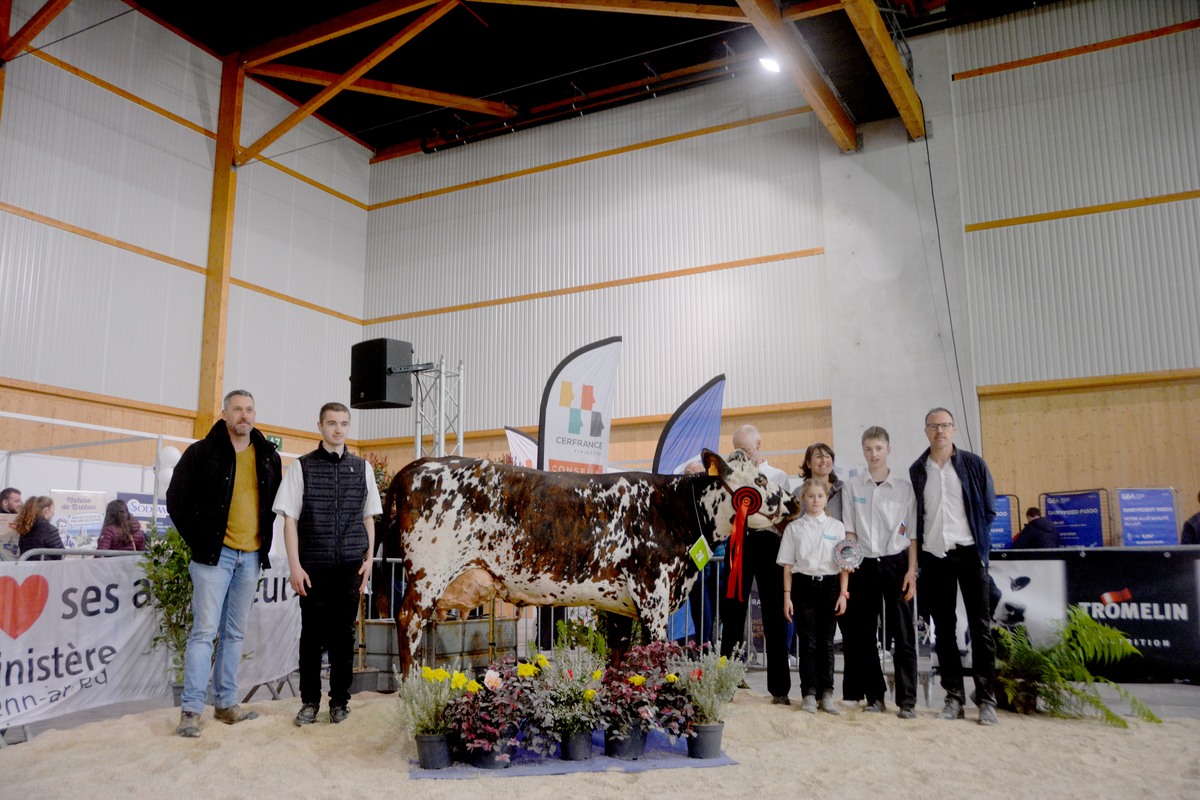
(21, 604)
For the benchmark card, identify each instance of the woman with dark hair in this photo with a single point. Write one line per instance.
(36, 532)
(120, 531)
(818, 463)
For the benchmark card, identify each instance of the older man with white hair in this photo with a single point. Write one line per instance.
(760, 548)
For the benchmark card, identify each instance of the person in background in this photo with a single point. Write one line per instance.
(819, 587)
(120, 531)
(703, 597)
(10, 501)
(1038, 532)
(36, 532)
(956, 503)
(1191, 529)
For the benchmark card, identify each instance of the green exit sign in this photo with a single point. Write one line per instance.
(277, 441)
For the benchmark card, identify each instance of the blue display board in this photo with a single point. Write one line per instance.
(1079, 517)
(1002, 532)
(1147, 517)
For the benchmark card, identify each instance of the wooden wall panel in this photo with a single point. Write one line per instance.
(1136, 435)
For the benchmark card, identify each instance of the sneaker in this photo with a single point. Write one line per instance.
(953, 710)
(875, 707)
(781, 700)
(908, 712)
(987, 714)
(189, 725)
(233, 714)
(809, 704)
(827, 704)
(793, 662)
(307, 714)
(338, 713)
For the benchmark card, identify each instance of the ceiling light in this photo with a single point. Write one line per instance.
(769, 64)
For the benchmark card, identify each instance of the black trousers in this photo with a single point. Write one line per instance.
(940, 577)
(760, 549)
(327, 617)
(877, 585)
(813, 601)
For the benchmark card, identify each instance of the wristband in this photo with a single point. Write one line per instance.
(846, 595)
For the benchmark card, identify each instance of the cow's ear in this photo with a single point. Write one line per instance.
(715, 465)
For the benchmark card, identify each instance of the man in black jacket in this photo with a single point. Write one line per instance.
(220, 501)
(956, 503)
(328, 500)
(1038, 532)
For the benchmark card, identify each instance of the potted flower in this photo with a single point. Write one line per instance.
(564, 704)
(640, 695)
(710, 681)
(424, 699)
(488, 716)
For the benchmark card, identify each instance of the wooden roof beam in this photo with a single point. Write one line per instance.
(37, 23)
(766, 18)
(811, 8)
(357, 71)
(871, 28)
(349, 22)
(649, 7)
(382, 89)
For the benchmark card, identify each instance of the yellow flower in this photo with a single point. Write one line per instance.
(458, 680)
(427, 673)
(722, 661)
(473, 686)
(526, 670)
(542, 661)
(589, 694)
(637, 680)
(672, 677)
(440, 675)
(598, 674)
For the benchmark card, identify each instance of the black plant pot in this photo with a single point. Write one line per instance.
(576, 746)
(630, 748)
(707, 741)
(433, 750)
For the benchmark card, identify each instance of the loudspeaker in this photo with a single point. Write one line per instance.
(373, 383)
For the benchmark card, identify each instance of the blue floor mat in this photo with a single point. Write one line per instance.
(660, 754)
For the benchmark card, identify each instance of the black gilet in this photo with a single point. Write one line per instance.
(330, 527)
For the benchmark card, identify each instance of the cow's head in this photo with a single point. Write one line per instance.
(736, 472)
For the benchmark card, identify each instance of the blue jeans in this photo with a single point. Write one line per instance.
(221, 601)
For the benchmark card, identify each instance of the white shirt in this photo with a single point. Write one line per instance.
(290, 497)
(808, 543)
(945, 513)
(881, 516)
(775, 475)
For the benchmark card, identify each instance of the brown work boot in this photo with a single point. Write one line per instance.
(189, 725)
(233, 714)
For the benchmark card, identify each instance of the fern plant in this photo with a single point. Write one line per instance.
(1056, 679)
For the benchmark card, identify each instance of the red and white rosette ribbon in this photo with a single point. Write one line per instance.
(746, 501)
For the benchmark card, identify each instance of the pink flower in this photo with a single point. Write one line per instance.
(492, 680)
(645, 712)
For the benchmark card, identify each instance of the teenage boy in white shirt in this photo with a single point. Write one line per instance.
(879, 516)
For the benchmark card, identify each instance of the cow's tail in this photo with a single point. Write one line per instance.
(393, 546)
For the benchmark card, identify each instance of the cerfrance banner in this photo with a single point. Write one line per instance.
(695, 425)
(522, 447)
(1002, 525)
(1078, 516)
(575, 418)
(75, 634)
(1147, 517)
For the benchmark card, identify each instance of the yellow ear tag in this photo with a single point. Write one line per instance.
(712, 470)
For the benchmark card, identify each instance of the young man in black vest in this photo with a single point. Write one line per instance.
(328, 501)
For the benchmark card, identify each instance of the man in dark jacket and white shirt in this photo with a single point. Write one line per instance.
(956, 503)
(220, 501)
(328, 500)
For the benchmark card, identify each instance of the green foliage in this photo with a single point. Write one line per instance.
(709, 679)
(424, 697)
(1056, 679)
(573, 634)
(565, 699)
(169, 587)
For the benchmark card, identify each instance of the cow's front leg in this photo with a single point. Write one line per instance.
(654, 607)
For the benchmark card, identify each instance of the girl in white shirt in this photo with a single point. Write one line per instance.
(819, 589)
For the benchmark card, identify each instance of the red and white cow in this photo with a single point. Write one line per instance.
(469, 530)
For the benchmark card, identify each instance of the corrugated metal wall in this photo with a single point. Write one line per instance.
(1108, 293)
(763, 326)
(727, 196)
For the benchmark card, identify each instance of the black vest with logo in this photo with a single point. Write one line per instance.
(330, 527)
